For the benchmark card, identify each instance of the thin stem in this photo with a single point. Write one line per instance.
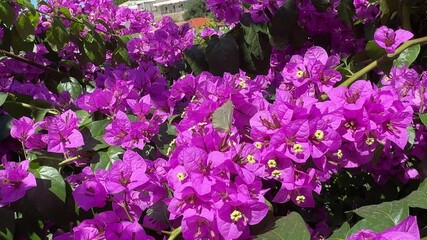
(375, 63)
(29, 62)
(68, 160)
(175, 233)
(26, 105)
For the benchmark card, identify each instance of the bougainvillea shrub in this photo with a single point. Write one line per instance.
(296, 119)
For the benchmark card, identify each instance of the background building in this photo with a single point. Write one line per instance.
(172, 8)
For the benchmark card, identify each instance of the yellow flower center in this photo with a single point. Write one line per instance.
(276, 173)
(370, 141)
(339, 153)
(299, 74)
(297, 148)
(272, 163)
(251, 159)
(319, 135)
(258, 145)
(300, 199)
(242, 83)
(236, 215)
(180, 176)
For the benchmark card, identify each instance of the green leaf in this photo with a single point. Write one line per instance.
(373, 50)
(57, 35)
(384, 215)
(57, 184)
(255, 46)
(18, 44)
(290, 227)
(341, 233)
(418, 198)
(93, 134)
(223, 116)
(104, 159)
(411, 137)
(222, 55)
(94, 48)
(423, 118)
(85, 117)
(3, 97)
(72, 86)
(408, 56)
(25, 27)
(346, 11)
(6, 13)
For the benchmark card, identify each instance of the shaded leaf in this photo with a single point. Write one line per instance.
(373, 50)
(104, 159)
(195, 58)
(7, 223)
(57, 35)
(6, 13)
(346, 11)
(25, 27)
(222, 55)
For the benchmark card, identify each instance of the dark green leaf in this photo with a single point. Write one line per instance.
(290, 227)
(6, 13)
(104, 159)
(5, 126)
(57, 184)
(281, 34)
(321, 5)
(373, 50)
(222, 55)
(7, 223)
(223, 116)
(195, 57)
(158, 212)
(346, 11)
(408, 56)
(387, 8)
(93, 134)
(341, 233)
(18, 44)
(94, 48)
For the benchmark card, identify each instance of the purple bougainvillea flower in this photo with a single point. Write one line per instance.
(90, 194)
(389, 39)
(15, 181)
